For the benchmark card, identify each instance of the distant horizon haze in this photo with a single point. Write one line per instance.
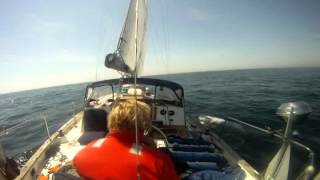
(151, 75)
(50, 43)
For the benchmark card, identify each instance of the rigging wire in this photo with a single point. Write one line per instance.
(97, 50)
(101, 38)
(165, 36)
(135, 96)
(6, 131)
(154, 45)
(167, 31)
(161, 46)
(158, 48)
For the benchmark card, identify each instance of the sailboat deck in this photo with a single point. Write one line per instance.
(67, 149)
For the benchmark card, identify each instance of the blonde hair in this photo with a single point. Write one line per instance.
(122, 116)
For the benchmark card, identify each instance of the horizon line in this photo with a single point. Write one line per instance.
(150, 75)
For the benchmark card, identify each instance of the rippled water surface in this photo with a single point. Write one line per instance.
(249, 95)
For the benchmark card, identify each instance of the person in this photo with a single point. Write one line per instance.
(117, 157)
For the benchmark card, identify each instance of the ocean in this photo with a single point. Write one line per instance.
(249, 95)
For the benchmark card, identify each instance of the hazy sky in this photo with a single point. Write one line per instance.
(46, 43)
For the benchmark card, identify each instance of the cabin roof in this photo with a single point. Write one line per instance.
(148, 81)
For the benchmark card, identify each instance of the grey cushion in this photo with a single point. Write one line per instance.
(89, 136)
(94, 125)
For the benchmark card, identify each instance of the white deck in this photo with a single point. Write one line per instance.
(68, 148)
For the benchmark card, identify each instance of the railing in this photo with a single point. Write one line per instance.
(308, 170)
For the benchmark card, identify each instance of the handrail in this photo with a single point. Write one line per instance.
(162, 133)
(275, 134)
(255, 127)
(7, 131)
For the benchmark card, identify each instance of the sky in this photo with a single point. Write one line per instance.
(56, 42)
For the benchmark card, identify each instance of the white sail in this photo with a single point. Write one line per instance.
(131, 48)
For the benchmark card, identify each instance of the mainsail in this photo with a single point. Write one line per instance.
(130, 52)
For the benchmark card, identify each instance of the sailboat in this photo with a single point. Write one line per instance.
(196, 151)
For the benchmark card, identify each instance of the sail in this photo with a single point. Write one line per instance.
(130, 53)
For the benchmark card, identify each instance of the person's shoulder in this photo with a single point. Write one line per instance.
(92, 147)
(97, 143)
(91, 150)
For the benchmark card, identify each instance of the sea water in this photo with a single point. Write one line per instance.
(249, 95)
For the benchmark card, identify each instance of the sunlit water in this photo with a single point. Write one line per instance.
(249, 95)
